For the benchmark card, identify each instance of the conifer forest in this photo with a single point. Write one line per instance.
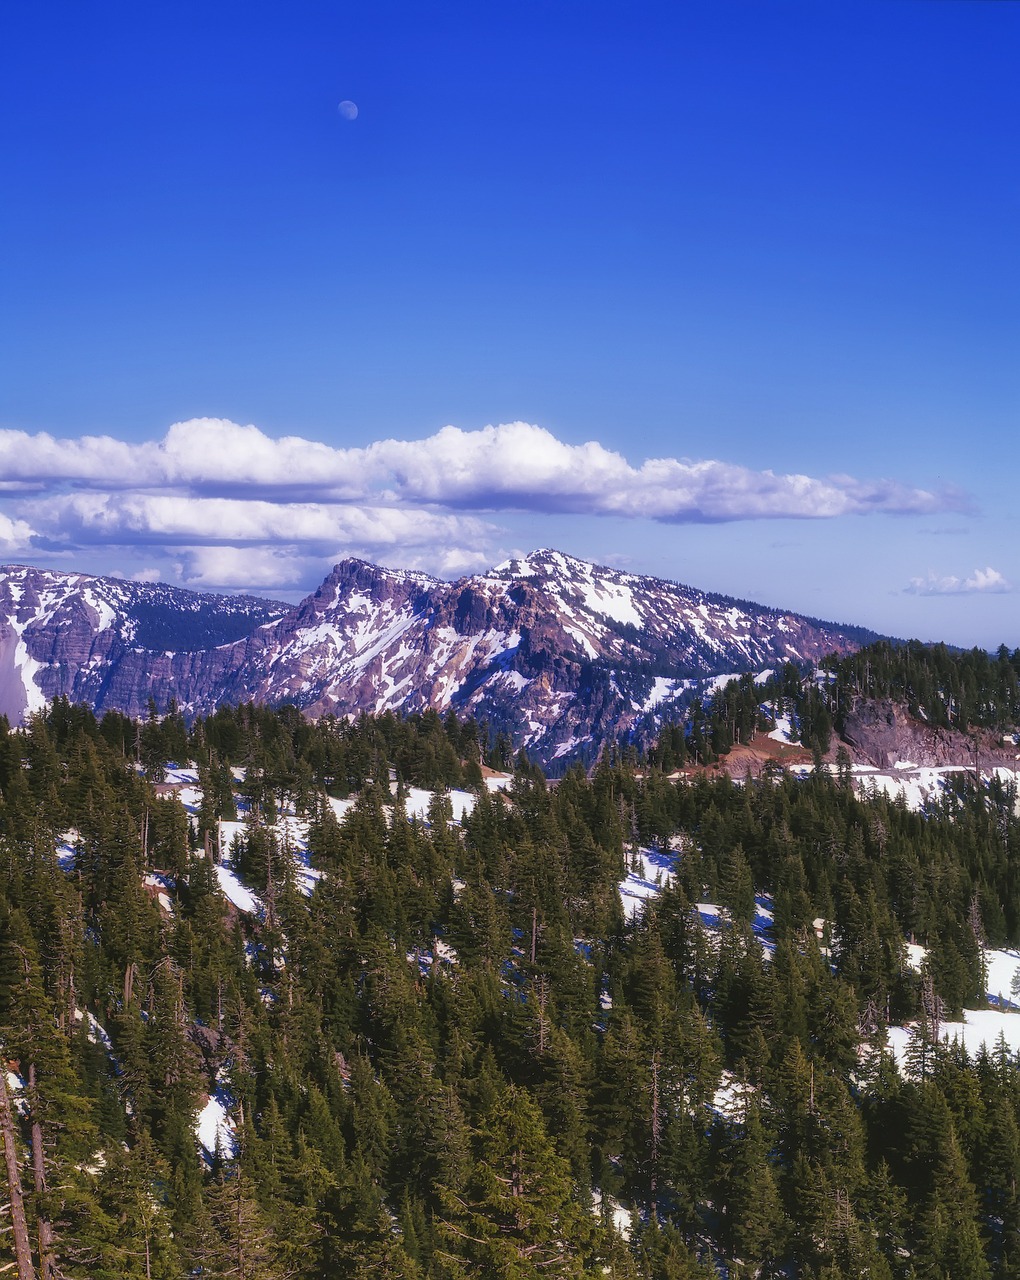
(316, 1000)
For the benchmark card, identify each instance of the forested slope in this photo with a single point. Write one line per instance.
(964, 700)
(442, 1049)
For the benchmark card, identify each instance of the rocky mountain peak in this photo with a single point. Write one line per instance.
(546, 562)
(352, 582)
(555, 651)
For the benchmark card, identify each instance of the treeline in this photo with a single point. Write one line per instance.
(334, 755)
(944, 687)
(457, 1057)
(964, 690)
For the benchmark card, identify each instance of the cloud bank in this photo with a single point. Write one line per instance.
(981, 580)
(213, 484)
(516, 466)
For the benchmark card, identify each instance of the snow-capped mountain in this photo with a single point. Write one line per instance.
(92, 638)
(556, 651)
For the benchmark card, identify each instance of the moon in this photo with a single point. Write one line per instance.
(348, 110)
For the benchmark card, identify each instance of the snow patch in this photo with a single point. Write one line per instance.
(732, 1096)
(622, 1218)
(654, 870)
(979, 1028)
(214, 1127)
(783, 732)
(237, 893)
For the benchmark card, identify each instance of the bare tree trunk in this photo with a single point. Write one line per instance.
(47, 1262)
(19, 1226)
(656, 1133)
(71, 1001)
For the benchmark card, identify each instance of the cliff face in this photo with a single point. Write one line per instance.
(110, 643)
(883, 733)
(554, 650)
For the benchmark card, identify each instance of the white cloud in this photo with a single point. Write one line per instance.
(15, 535)
(518, 465)
(224, 504)
(452, 561)
(245, 568)
(513, 466)
(987, 580)
(282, 568)
(42, 459)
(232, 543)
(171, 519)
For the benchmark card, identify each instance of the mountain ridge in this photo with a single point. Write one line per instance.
(555, 651)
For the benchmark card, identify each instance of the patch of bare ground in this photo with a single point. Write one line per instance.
(755, 757)
(762, 753)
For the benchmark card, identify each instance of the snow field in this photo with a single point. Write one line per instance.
(181, 776)
(731, 1097)
(656, 870)
(1000, 969)
(622, 1218)
(423, 959)
(234, 891)
(341, 808)
(979, 1028)
(67, 848)
(716, 918)
(418, 801)
(783, 732)
(919, 785)
(161, 884)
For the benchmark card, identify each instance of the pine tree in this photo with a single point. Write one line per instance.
(755, 1224)
(128, 1231)
(517, 1216)
(239, 1244)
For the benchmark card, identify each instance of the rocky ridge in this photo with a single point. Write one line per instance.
(99, 640)
(558, 652)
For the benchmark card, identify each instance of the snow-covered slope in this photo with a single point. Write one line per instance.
(95, 640)
(555, 651)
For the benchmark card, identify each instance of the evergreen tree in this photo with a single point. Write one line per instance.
(517, 1216)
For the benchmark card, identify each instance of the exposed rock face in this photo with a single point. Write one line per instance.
(883, 733)
(554, 650)
(106, 642)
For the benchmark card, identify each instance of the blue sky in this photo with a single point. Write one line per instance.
(755, 241)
